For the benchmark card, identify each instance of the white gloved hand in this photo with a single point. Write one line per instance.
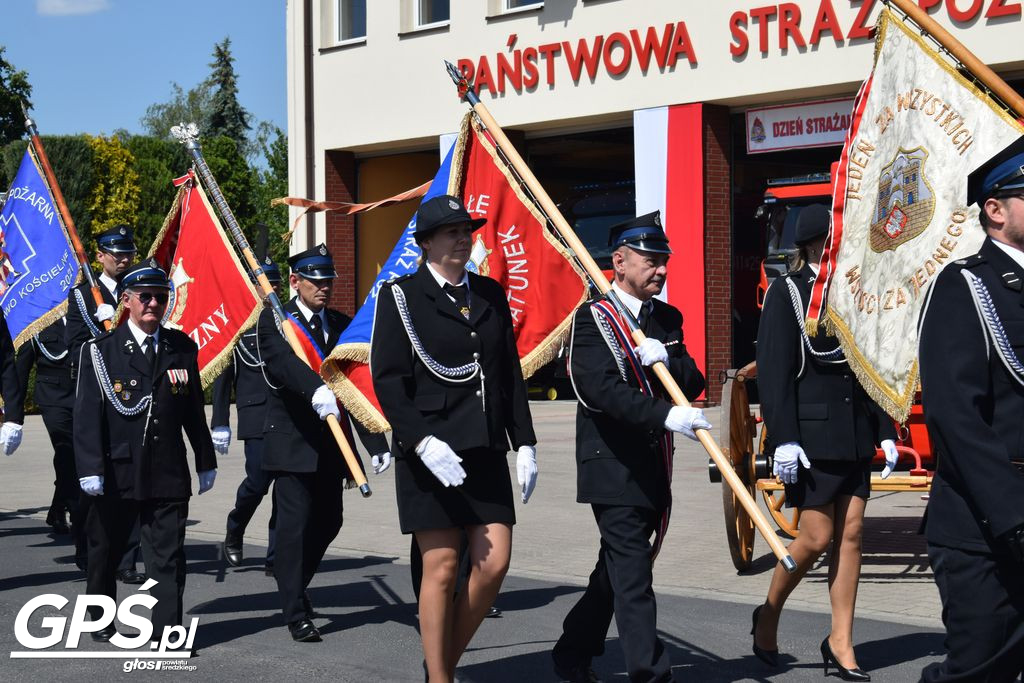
(10, 437)
(92, 485)
(381, 462)
(104, 312)
(651, 351)
(788, 458)
(325, 403)
(206, 479)
(892, 456)
(441, 460)
(686, 421)
(221, 439)
(526, 470)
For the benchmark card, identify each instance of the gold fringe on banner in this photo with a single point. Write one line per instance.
(352, 398)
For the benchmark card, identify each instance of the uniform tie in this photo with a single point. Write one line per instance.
(149, 350)
(315, 326)
(645, 314)
(458, 292)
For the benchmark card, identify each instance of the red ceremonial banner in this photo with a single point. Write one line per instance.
(212, 299)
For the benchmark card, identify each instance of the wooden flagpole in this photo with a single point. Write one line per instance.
(601, 282)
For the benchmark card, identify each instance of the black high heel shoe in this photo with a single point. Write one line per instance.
(769, 657)
(828, 657)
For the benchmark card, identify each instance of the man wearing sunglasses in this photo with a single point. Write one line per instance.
(138, 390)
(115, 252)
(972, 390)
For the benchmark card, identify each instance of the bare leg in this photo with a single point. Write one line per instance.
(440, 551)
(815, 534)
(844, 575)
(490, 547)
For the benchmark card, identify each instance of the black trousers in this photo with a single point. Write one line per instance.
(983, 611)
(58, 423)
(132, 550)
(309, 517)
(250, 494)
(621, 585)
(162, 527)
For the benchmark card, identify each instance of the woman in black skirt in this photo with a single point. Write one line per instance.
(447, 375)
(823, 427)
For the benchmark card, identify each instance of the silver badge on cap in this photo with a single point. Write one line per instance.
(323, 250)
(123, 231)
(153, 263)
(657, 221)
(454, 204)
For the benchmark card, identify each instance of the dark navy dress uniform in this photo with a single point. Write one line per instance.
(972, 390)
(141, 456)
(11, 388)
(55, 395)
(301, 453)
(621, 474)
(815, 401)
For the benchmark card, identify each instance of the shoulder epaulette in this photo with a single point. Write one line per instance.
(970, 261)
(399, 278)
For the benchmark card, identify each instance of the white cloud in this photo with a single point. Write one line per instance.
(68, 7)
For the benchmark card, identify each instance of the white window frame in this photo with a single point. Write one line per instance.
(338, 39)
(420, 25)
(508, 9)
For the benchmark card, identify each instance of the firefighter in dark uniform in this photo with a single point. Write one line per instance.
(820, 419)
(972, 389)
(299, 450)
(115, 252)
(455, 398)
(13, 392)
(55, 395)
(245, 375)
(624, 430)
(138, 389)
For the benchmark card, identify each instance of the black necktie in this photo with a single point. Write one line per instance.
(314, 325)
(458, 292)
(149, 350)
(645, 314)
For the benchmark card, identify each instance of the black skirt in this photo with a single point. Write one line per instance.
(485, 497)
(827, 480)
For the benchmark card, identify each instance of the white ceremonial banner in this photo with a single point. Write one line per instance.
(798, 126)
(899, 211)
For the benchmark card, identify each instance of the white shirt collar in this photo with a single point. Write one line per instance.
(441, 281)
(140, 336)
(1013, 252)
(308, 314)
(628, 300)
(110, 283)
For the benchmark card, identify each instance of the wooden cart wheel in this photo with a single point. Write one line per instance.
(738, 431)
(774, 494)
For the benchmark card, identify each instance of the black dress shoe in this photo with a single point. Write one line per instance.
(130, 576)
(769, 657)
(104, 634)
(303, 631)
(828, 658)
(579, 672)
(59, 522)
(492, 613)
(233, 550)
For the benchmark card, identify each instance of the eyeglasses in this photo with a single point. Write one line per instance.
(146, 297)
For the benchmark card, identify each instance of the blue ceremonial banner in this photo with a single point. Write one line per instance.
(37, 265)
(347, 368)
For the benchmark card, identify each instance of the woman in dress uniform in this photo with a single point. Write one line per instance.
(823, 427)
(446, 372)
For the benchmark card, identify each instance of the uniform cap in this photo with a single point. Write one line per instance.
(643, 232)
(1004, 171)
(313, 264)
(443, 210)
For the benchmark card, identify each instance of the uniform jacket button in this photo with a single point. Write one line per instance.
(846, 400)
(478, 392)
(476, 356)
(473, 335)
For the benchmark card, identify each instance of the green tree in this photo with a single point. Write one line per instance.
(14, 89)
(71, 157)
(271, 183)
(236, 180)
(157, 161)
(226, 117)
(115, 193)
(188, 107)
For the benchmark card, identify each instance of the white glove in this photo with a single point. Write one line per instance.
(221, 439)
(441, 460)
(526, 470)
(10, 437)
(381, 462)
(104, 312)
(206, 480)
(324, 403)
(686, 421)
(651, 351)
(92, 485)
(788, 458)
(892, 456)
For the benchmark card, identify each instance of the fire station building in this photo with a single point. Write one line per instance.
(620, 107)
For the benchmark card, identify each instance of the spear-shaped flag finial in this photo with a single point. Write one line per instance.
(462, 83)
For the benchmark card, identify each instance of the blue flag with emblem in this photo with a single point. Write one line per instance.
(37, 265)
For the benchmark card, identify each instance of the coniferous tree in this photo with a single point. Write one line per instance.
(226, 117)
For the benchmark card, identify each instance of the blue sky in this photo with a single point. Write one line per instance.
(95, 65)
